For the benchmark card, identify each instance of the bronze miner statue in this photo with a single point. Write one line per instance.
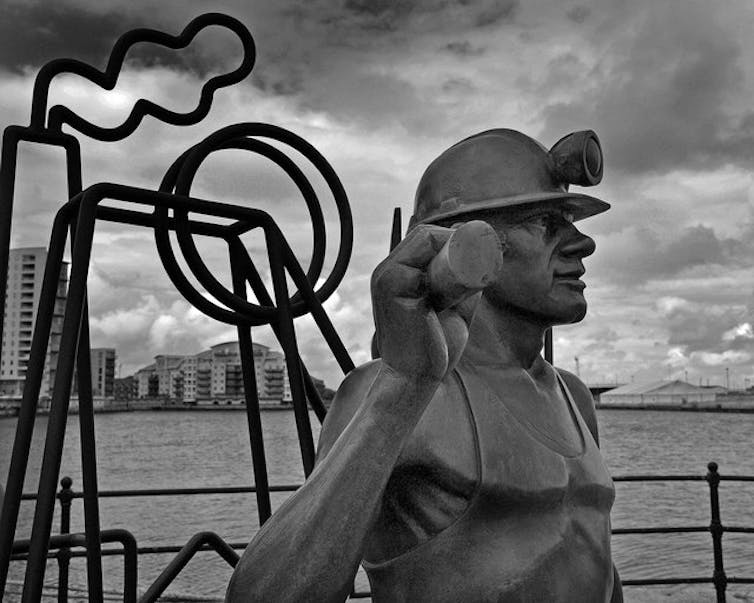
(460, 466)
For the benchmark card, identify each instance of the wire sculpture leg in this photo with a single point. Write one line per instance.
(290, 349)
(55, 436)
(253, 418)
(28, 410)
(263, 296)
(7, 184)
(89, 463)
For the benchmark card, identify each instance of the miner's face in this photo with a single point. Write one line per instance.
(542, 264)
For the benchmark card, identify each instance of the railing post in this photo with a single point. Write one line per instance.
(65, 496)
(716, 529)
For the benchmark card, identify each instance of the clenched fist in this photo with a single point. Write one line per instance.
(425, 292)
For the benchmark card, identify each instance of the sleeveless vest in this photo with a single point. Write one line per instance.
(537, 527)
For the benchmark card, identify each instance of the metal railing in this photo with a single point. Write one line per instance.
(715, 528)
(209, 541)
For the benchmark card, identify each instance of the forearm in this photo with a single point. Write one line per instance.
(320, 531)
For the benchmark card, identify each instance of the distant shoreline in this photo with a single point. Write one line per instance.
(12, 413)
(265, 407)
(722, 409)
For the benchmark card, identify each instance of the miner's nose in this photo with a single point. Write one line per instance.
(577, 244)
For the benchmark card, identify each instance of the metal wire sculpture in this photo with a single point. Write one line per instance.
(170, 207)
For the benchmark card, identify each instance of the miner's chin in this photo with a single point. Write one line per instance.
(571, 312)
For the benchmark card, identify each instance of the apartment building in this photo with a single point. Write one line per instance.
(214, 375)
(103, 372)
(24, 285)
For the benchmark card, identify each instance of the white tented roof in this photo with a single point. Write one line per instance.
(666, 387)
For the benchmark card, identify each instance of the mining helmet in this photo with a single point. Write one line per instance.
(504, 168)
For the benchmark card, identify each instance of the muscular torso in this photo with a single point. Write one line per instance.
(500, 495)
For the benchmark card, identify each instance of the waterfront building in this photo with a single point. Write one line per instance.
(214, 376)
(147, 382)
(169, 376)
(24, 285)
(103, 373)
(125, 388)
(658, 393)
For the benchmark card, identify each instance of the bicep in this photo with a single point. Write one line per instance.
(347, 400)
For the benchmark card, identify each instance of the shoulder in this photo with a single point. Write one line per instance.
(583, 399)
(346, 402)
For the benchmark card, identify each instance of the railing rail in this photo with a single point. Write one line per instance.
(716, 529)
(205, 541)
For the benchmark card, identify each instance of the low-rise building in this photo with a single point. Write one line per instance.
(658, 393)
(214, 376)
(126, 388)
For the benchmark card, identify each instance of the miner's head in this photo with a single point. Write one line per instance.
(520, 188)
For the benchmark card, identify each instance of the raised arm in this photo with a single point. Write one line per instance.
(310, 549)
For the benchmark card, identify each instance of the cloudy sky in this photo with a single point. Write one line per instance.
(381, 88)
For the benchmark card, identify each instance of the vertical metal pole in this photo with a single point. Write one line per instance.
(25, 425)
(27, 412)
(86, 415)
(716, 529)
(89, 463)
(130, 568)
(7, 184)
(253, 418)
(290, 349)
(65, 496)
(548, 345)
(41, 527)
(397, 229)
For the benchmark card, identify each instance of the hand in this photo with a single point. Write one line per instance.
(425, 293)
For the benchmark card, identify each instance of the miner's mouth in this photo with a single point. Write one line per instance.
(574, 275)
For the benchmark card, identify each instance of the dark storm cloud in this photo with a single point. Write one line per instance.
(696, 246)
(640, 255)
(560, 74)
(32, 34)
(268, 81)
(578, 14)
(710, 329)
(695, 328)
(496, 13)
(379, 15)
(384, 16)
(458, 86)
(463, 49)
(340, 58)
(661, 95)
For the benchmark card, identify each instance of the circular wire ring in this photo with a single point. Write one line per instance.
(179, 179)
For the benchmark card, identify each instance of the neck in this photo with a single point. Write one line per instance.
(505, 337)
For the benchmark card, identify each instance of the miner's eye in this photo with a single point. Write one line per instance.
(553, 221)
(548, 221)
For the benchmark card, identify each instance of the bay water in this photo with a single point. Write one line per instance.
(184, 449)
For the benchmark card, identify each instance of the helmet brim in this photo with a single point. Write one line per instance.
(580, 205)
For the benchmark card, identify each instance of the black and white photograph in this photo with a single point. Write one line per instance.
(380, 300)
